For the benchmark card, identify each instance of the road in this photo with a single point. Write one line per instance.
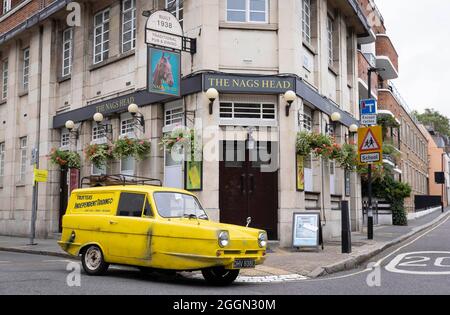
(419, 266)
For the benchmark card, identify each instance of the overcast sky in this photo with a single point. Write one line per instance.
(420, 31)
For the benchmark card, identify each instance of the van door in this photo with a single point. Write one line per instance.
(131, 228)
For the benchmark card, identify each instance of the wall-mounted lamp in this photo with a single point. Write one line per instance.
(70, 125)
(104, 127)
(212, 94)
(335, 118)
(138, 118)
(289, 97)
(353, 129)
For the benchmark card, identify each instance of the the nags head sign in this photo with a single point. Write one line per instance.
(249, 84)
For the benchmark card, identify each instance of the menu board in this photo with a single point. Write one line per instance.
(306, 232)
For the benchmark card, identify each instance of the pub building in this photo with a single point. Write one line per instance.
(254, 82)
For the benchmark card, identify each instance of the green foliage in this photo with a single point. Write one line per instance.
(65, 159)
(99, 154)
(126, 147)
(304, 143)
(348, 158)
(319, 144)
(390, 149)
(387, 122)
(435, 119)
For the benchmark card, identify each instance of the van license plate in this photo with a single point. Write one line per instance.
(244, 264)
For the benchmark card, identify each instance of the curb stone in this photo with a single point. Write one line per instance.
(353, 262)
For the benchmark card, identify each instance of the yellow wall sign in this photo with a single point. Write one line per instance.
(40, 176)
(370, 145)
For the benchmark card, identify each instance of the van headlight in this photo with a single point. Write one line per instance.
(224, 239)
(262, 239)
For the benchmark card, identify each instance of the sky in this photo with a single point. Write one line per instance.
(420, 32)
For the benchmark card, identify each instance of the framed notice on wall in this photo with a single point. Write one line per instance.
(194, 175)
(300, 172)
(306, 231)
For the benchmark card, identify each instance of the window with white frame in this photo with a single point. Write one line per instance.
(309, 177)
(23, 142)
(306, 20)
(174, 117)
(101, 36)
(254, 11)
(98, 134)
(6, 6)
(127, 166)
(330, 40)
(307, 123)
(176, 8)
(97, 171)
(128, 25)
(4, 91)
(65, 139)
(127, 126)
(2, 162)
(67, 52)
(248, 113)
(26, 69)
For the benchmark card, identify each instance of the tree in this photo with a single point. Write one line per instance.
(435, 119)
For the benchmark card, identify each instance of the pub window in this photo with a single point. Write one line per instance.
(307, 123)
(247, 111)
(2, 162)
(306, 20)
(127, 126)
(101, 36)
(176, 8)
(97, 171)
(174, 117)
(131, 205)
(128, 25)
(67, 52)
(26, 68)
(330, 40)
(65, 139)
(6, 6)
(309, 178)
(254, 11)
(98, 134)
(5, 79)
(23, 142)
(127, 166)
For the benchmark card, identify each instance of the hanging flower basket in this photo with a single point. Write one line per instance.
(99, 154)
(65, 159)
(178, 138)
(348, 158)
(126, 147)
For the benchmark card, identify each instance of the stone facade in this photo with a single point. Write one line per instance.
(272, 48)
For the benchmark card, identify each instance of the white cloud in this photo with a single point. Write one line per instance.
(420, 31)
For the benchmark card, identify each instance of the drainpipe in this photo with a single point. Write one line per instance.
(34, 209)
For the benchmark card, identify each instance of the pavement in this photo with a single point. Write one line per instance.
(283, 265)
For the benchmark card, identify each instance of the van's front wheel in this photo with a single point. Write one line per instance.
(219, 276)
(93, 262)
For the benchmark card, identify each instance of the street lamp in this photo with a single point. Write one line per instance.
(289, 97)
(353, 129)
(212, 94)
(335, 118)
(103, 127)
(138, 118)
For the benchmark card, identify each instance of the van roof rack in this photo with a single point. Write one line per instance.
(118, 180)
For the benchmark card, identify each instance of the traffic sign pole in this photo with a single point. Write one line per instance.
(369, 175)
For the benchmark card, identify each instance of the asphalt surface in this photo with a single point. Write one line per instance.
(420, 265)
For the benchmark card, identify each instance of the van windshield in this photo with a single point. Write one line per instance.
(176, 205)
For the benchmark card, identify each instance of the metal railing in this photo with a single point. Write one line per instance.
(391, 87)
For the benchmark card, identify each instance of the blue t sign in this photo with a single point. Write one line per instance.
(369, 107)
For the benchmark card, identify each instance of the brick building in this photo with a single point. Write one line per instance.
(409, 138)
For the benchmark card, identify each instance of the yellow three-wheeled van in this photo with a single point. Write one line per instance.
(154, 228)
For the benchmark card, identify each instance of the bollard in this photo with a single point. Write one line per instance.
(346, 230)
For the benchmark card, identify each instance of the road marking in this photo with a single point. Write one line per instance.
(259, 279)
(378, 263)
(419, 259)
(55, 260)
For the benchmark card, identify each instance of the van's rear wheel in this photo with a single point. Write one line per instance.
(93, 261)
(219, 276)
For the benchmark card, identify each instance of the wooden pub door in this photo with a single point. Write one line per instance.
(245, 189)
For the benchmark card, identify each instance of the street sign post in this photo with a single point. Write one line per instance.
(369, 110)
(370, 145)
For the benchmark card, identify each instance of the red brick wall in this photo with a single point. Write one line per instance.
(363, 67)
(23, 14)
(384, 47)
